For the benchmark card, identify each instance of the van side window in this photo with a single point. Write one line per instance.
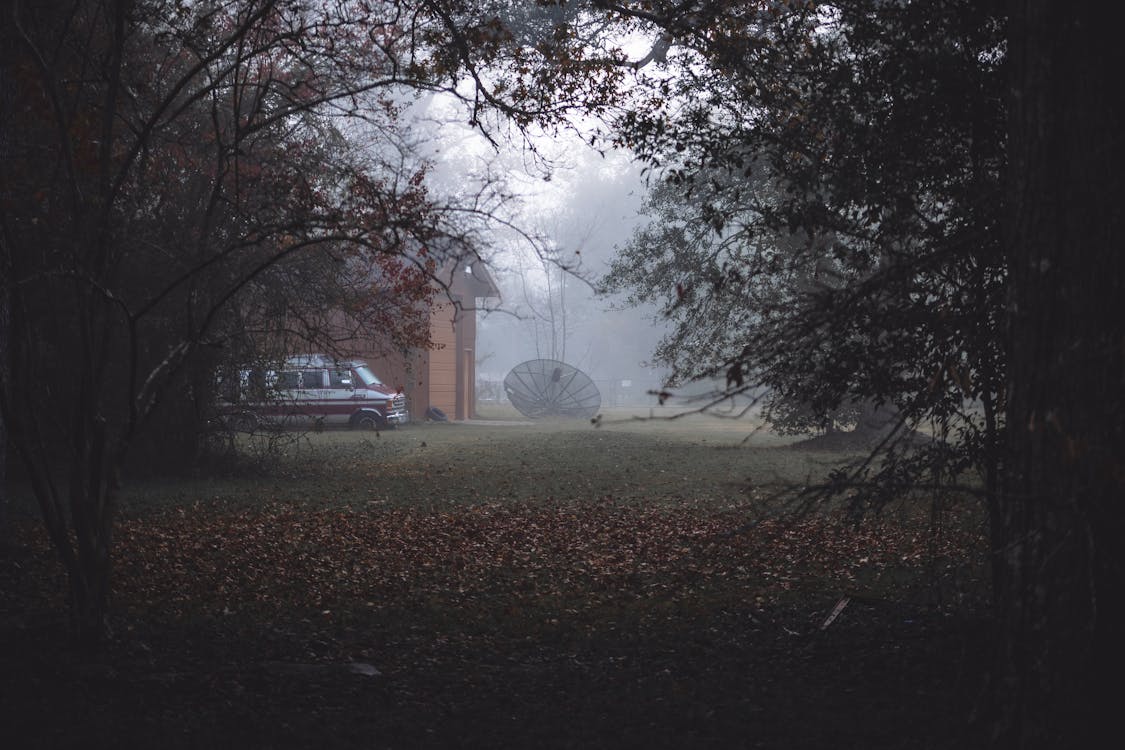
(312, 378)
(287, 380)
(339, 379)
(256, 384)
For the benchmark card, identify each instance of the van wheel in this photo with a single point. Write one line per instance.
(367, 421)
(245, 422)
(435, 414)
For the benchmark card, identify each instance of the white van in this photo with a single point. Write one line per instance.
(314, 390)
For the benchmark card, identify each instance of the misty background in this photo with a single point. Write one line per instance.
(569, 206)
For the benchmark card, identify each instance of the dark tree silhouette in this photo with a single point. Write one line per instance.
(828, 233)
(1061, 588)
(956, 167)
(176, 173)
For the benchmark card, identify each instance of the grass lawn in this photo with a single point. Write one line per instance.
(504, 583)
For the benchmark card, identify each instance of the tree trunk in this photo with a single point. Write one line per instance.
(5, 512)
(7, 99)
(92, 515)
(1059, 524)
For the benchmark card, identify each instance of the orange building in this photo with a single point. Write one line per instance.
(442, 378)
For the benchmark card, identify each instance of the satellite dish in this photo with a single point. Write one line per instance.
(547, 387)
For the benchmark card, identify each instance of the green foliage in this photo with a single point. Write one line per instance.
(828, 224)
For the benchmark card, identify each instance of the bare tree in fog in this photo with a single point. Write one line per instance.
(167, 158)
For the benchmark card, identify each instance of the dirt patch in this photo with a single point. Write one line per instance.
(455, 585)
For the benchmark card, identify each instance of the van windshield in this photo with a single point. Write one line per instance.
(367, 377)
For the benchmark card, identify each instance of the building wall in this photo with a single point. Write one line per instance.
(445, 375)
(467, 354)
(441, 376)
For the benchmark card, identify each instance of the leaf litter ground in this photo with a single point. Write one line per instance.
(509, 585)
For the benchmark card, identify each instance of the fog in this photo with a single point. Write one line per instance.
(569, 207)
(549, 307)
